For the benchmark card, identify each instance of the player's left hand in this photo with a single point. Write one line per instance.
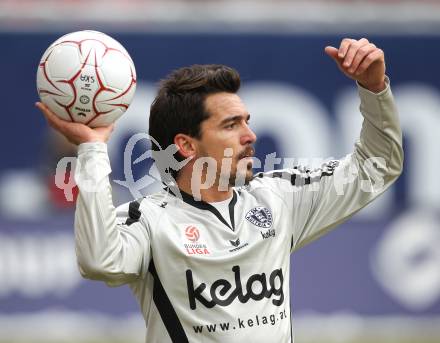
(362, 61)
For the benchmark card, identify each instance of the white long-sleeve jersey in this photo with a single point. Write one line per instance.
(201, 278)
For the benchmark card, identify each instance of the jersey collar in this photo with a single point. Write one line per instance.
(203, 205)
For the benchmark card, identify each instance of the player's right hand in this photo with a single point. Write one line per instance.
(75, 133)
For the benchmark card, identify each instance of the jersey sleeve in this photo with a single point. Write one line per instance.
(322, 198)
(112, 245)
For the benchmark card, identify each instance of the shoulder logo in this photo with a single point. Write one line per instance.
(260, 216)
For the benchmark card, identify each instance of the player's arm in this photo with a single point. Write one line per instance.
(378, 156)
(110, 245)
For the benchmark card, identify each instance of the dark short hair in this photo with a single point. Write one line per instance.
(179, 106)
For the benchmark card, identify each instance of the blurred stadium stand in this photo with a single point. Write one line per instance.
(375, 279)
(394, 16)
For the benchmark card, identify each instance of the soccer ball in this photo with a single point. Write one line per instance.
(86, 77)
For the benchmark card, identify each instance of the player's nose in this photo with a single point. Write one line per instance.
(248, 137)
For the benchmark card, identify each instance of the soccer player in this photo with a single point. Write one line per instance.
(214, 266)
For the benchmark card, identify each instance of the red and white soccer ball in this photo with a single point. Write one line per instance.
(87, 77)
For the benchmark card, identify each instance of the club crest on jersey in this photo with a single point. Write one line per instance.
(192, 244)
(260, 216)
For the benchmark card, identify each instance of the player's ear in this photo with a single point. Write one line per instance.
(185, 144)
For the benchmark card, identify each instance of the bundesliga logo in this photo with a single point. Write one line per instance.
(192, 233)
(195, 248)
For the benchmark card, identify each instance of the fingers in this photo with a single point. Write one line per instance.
(332, 52)
(345, 45)
(51, 117)
(374, 56)
(76, 133)
(357, 55)
(352, 49)
(67, 129)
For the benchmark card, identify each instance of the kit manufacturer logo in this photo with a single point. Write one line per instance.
(260, 216)
(235, 243)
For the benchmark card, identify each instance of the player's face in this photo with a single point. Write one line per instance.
(227, 138)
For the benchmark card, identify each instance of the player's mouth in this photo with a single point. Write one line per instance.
(248, 153)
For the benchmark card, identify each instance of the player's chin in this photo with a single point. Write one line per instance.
(242, 173)
(243, 176)
(249, 176)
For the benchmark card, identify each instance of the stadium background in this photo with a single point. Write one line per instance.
(375, 279)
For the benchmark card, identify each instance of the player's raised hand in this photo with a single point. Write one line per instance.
(76, 133)
(362, 61)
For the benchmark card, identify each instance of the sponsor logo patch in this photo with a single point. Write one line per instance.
(260, 216)
(223, 292)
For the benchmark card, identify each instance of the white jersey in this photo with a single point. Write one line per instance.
(200, 277)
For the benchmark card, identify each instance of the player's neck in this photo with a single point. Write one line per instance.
(197, 190)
